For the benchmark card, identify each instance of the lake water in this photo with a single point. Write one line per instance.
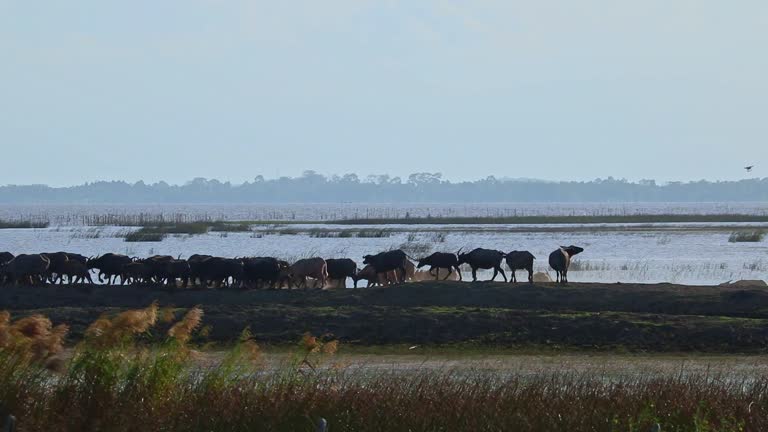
(678, 253)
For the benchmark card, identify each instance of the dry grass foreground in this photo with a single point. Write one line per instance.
(115, 381)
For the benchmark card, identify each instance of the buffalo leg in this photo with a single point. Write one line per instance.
(530, 275)
(501, 270)
(446, 276)
(474, 274)
(459, 272)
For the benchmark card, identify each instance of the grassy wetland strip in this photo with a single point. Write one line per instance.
(116, 379)
(523, 220)
(19, 224)
(155, 232)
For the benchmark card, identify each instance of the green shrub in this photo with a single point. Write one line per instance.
(746, 236)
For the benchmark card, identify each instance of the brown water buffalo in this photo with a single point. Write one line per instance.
(369, 274)
(315, 268)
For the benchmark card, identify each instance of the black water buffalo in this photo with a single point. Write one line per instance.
(5, 257)
(177, 269)
(57, 261)
(218, 271)
(388, 261)
(158, 265)
(440, 260)
(77, 257)
(195, 267)
(136, 272)
(560, 260)
(268, 271)
(339, 269)
(483, 259)
(76, 271)
(520, 260)
(27, 269)
(109, 265)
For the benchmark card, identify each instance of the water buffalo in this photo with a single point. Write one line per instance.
(57, 261)
(158, 265)
(264, 271)
(341, 269)
(520, 260)
(176, 269)
(315, 268)
(560, 260)
(429, 275)
(77, 257)
(218, 271)
(441, 260)
(27, 269)
(483, 259)
(5, 257)
(369, 274)
(109, 265)
(76, 271)
(387, 261)
(136, 272)
(195, 267)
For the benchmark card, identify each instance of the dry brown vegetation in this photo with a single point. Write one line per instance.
(116, 381)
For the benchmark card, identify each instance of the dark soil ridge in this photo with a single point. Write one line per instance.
(591, 297)
(635, 317)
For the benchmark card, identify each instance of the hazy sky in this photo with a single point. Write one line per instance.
(176, 89)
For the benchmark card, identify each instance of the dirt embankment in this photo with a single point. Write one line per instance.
(660, 317)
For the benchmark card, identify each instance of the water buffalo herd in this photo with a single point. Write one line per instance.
(206, 271)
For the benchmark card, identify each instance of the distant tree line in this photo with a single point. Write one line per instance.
(312, 187)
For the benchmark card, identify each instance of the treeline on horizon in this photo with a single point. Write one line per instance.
(420, 187)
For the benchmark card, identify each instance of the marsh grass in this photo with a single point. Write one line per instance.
(746, 236)
(347, 233)
(116, 381)
(156, 232)
(18, 224)
(220, 226)
(563, 219)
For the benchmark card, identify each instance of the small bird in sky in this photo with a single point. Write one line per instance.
(749, 168)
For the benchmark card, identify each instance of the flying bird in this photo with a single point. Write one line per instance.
(749, 168)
